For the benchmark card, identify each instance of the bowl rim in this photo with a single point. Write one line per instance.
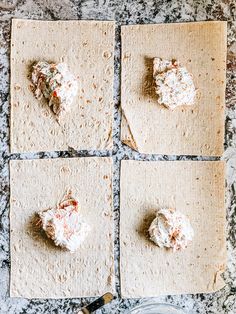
(147, 304)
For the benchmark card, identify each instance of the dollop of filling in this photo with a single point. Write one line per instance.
(171, 229)
(56, 84)
(64, 224)
(174, 84)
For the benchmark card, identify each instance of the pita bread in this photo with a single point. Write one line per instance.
(188, 130)
(197, 190)
(39, 269)
(87, 48)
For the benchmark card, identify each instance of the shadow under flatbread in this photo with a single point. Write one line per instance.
(144, 225)
(147, 82)
(38, 235)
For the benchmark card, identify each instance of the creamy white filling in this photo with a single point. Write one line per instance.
(64, 224)
(174, 84)
(171, 229)
(56, 84)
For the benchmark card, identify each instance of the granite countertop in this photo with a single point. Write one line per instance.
(124, 12)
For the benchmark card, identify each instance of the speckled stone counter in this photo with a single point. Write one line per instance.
(124, 12)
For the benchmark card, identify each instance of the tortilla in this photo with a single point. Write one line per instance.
(196, 189)
(87, 48)
(188, 130)
(39, 269)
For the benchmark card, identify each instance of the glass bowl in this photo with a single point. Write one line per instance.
(157, 308)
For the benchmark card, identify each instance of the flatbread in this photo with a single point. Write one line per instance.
(197, 190)
(87, 47)
(188, 130)
(39, 269)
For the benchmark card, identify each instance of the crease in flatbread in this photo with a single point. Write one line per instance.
(129, 139)
(218, 281)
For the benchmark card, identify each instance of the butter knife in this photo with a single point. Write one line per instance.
(92, 307)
